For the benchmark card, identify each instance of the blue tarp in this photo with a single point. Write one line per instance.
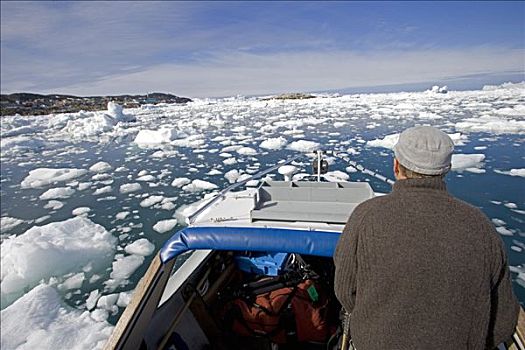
(319, 243)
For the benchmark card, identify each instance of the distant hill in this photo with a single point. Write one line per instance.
(35, 104)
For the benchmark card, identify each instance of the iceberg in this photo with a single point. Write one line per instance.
(42, 177)
(65, 247)
(40, 320)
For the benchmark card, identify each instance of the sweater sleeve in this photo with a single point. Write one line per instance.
(504, 305)
(345, 260)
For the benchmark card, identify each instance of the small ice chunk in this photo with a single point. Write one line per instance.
(107, 302)
(56, 193)
(123, 268)
(214, 172)
(504, 231)
(42, 219)
(463, 161)
(42, 177)
(274, 143)
(304, 146)
(230, 161)
(247, 151)
(517, 172)
(180, 181)
(92, 299)
(53, 205)
(155, 137)
(81, 211)
(498, 222)
(122, 215)
(168, 206)
(100, 167)
(232, 175)
(140, 247)
(389, 141)
(8, 223)
(131, 187)
(73, 282)
(146, 178)
(199, 185)
(102, 190)
(165, 225)
(124, 298)
(84, 186)
(151, 200)
(99, 315)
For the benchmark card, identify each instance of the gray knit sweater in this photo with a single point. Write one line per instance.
(419, 269)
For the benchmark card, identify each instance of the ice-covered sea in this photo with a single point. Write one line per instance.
(87, 198)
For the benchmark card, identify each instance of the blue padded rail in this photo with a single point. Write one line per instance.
(319, 243)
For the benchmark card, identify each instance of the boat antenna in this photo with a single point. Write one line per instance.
(363, 169)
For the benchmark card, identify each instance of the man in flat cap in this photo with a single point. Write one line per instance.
(420, 269)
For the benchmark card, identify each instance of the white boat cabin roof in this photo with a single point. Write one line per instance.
(288, 204)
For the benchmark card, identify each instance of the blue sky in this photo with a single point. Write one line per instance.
(201, 49)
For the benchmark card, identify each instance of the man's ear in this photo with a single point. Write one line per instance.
(396, 167)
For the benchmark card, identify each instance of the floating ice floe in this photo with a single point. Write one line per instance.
(274, 143)
(40, 320)
(131, 187)
(65, 247)
(151, 200)
(8, 223)
(42, 177)
(247, 151)
(232, 175)
(140, 247)
(304, 146)
(165, 225)
(102, 190)
(230, 161)
(512, 172)
(53, 205)
(88, 126)
(193, 141)
(199, 185)
(492, 124)
(73, 282)
(180, 181)
(108, 302)
(122, 269)
(155, 137)
(56, 193)
(17, 144)
(468, 162)
(100, 167)
(121, 215)
(146, 178)
(81, 211)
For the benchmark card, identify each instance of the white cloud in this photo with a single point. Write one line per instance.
(214, 49)
(243, 73)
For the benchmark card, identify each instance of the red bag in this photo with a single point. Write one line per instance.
(269, 314)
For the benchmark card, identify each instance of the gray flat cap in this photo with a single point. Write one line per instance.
(424, 149)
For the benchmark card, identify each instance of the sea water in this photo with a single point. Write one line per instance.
(205, 140)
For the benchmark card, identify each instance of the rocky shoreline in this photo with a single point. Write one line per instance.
(35, 104)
